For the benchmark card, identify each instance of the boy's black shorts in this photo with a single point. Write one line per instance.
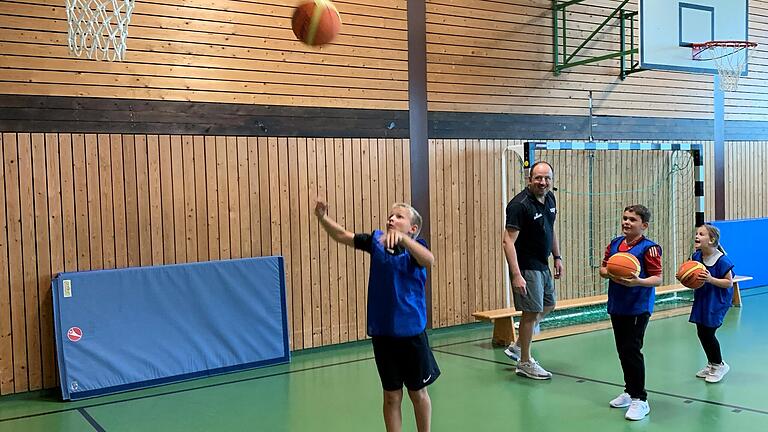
(405, 360)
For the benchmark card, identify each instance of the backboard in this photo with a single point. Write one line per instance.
(668, 27)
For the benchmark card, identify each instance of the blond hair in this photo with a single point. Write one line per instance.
(714, 234)
(415, 216)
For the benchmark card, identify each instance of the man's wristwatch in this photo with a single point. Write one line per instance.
(557, 257)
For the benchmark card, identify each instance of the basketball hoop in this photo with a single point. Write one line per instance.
(729, 58)
(99, 28)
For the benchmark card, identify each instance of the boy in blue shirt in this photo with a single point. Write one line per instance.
(397, 309)
(712, 300)
(630, 304)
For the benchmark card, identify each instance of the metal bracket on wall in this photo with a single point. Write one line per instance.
(626, 19)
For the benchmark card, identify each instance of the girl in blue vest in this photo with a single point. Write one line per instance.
(630, 304)
(712, 300)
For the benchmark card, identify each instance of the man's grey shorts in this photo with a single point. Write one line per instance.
(541, 291)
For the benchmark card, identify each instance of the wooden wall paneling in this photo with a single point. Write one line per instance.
(93, 202)
(433, 303)
(328, 168)
(293, 280)
(348, 301)
(67, 202)
(233, 197)
(353, 154)
(438, 235)
(6, 325)
(462, 311)
(143, 201)
(81, 206)
(202, 201)
(190, 199)
(473, 210)
(343, 264)
(321, 164)
(406, 170)
(40, 262)
(266, 217)
(225, 247)
(55, 156)
(118, 201)
(452, 214)
(165, 164)
(29, 256)
(11, 144)
(314, 285)
(366, 226)
(254, 196)
(243, 189)
(212, 201)
(130, 205)
(105, 199)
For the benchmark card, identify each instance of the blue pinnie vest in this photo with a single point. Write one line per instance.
(623, 300)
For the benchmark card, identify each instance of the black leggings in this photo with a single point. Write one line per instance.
(709, 343)
(629, 331)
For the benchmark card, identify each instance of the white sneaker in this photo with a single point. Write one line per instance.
(638, 409)
(513, 352)
(707, 370)
(531, 369)
(718, 372)
(621, 401)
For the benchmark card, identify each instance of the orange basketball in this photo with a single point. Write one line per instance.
(316, 22)
(688, 274)
(623, 264)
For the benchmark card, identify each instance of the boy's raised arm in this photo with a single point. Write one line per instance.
(336, 231)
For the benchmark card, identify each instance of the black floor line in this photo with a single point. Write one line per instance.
(91, 420)
(577, 377)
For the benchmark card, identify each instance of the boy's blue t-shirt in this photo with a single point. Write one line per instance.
(624, 300)
(397, 303)
(711, 303)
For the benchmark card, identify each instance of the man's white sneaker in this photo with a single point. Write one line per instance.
(533, 370)
(621, 401)
(638, 409)
(718, 372)
(513, 352)
(705, 371)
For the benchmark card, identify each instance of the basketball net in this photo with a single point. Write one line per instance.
(99, 28)
(729, 58)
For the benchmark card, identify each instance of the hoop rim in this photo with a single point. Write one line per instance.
(723, 43)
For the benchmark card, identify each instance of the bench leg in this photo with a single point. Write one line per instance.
(736, 295)
(503, 331)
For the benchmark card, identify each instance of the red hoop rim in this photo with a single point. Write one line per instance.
(725, 43)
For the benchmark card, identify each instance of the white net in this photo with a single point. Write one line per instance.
(99, 28)
(729, 59)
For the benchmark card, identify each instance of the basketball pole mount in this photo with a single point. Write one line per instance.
(562, 60)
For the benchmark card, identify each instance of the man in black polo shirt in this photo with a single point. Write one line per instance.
(529, 238)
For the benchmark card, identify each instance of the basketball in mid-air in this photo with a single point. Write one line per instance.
(623, 265)
(688, 274)
(316, 22)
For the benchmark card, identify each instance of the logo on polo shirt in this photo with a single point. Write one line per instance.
(537, 215)
(552, 210)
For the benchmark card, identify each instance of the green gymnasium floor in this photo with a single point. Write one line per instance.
(337, 389)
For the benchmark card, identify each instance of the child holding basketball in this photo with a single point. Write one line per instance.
(397, 312)
(630, 304)
(712, 300)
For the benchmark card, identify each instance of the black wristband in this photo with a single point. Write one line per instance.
(557, 257)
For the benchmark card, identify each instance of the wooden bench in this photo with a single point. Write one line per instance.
(503, 319)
